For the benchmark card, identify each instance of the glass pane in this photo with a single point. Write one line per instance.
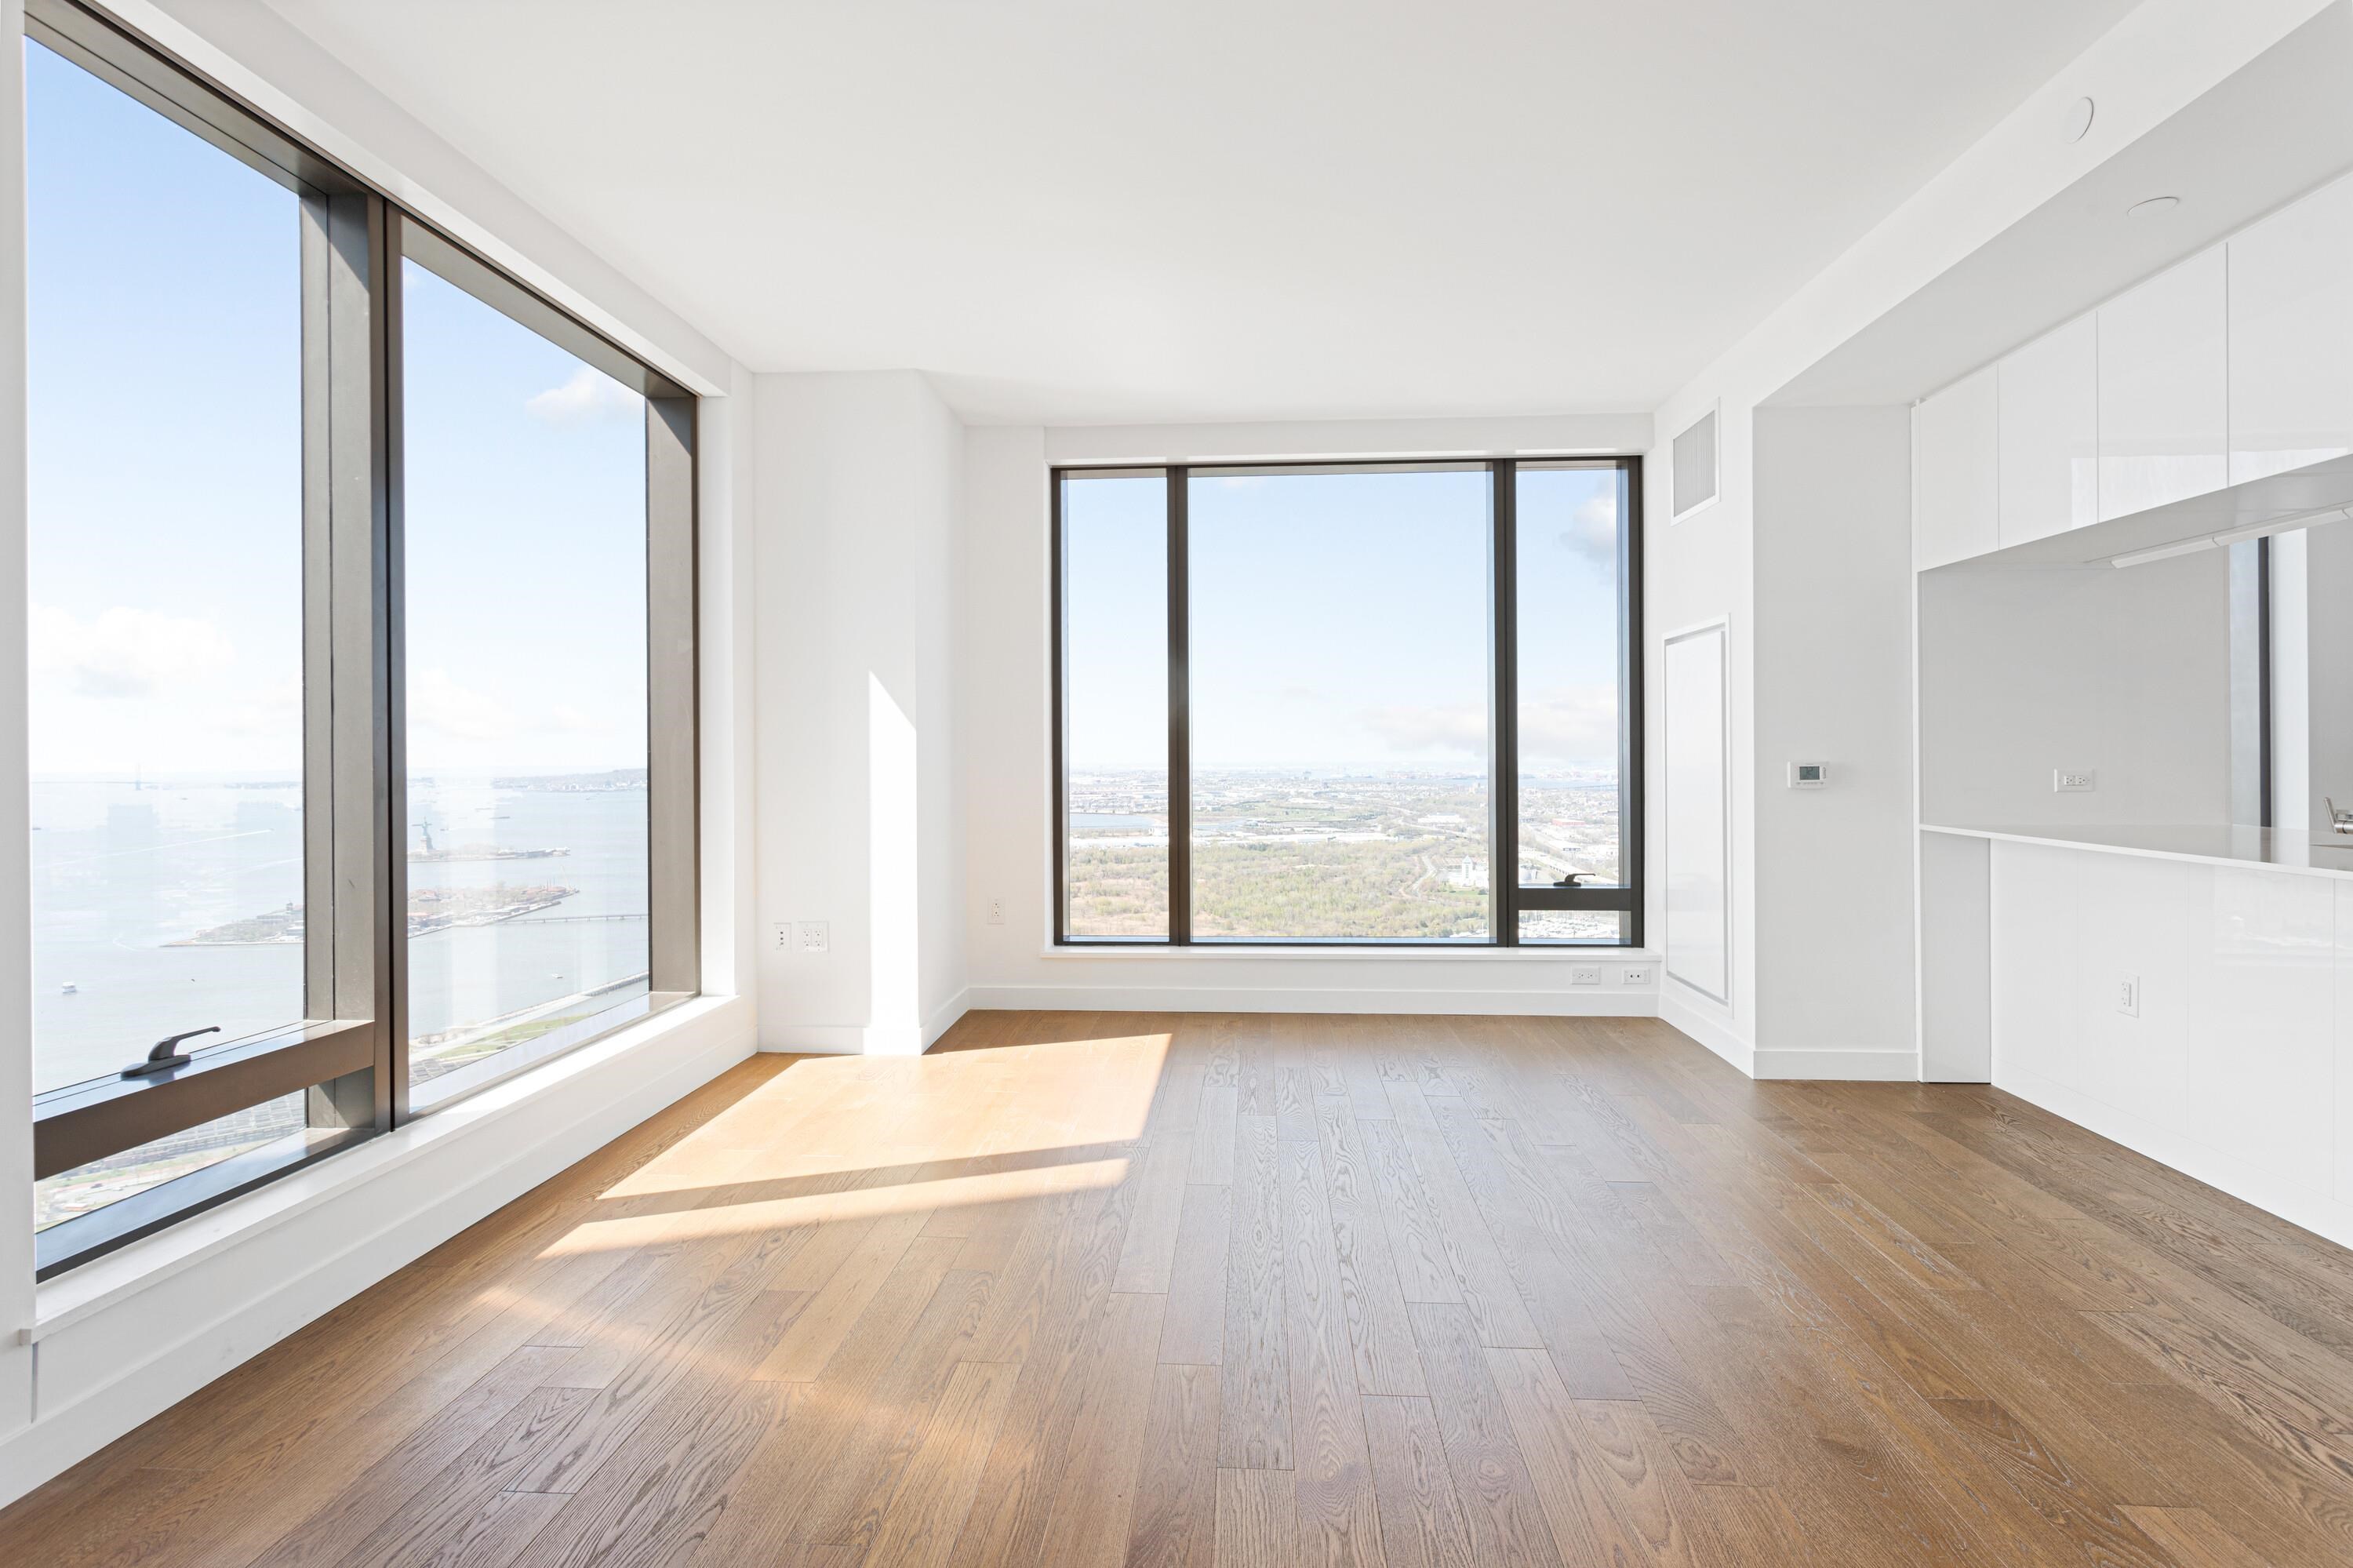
(1568, 548)
(1338, 648)
(1115, 706)
(1606, 925)
(165, 557)
(525, 518)
(77, 1191)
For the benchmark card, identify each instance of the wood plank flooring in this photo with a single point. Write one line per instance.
(1281, 1292)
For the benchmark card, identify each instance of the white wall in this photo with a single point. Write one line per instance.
(2161, 58)
(1699, 571)
(2238, 1068)
(1833, 890)
(726, 616)
(1006, 746)
(2125, 672)
(859, 800)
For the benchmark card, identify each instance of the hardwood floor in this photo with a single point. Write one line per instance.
(1277, 1291)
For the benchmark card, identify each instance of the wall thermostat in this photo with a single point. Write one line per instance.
(1810, 775)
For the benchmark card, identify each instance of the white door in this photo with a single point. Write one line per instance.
(1699, 904)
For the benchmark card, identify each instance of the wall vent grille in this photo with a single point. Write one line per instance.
(1694, 466)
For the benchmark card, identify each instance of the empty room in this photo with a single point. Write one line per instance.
(1175, 784)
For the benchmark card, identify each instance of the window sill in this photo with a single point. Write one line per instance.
(106, 1281)
(1367, 953)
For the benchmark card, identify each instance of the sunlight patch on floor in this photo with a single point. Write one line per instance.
(751, 1214)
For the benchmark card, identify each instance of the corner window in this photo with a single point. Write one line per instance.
(1370, 703)
(361, 637)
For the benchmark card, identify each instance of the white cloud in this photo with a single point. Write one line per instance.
(1426, 727)
(589, 396)
(439, 703)
(1567, 725)
(126, 653)
(275, 710)
(1592, 534)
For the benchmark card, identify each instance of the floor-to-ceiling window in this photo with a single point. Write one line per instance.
(1114, 728)
(1398, 703)
(524, 544)
(360, 590)
(1572, 691)
(1339, 703)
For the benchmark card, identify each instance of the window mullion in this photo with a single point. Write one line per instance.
(361, 910)
(674, 946)
(389, 678)
(1630, 697)
(318, 613)
(1502, 735)
(1180, 737)
(349, 1100)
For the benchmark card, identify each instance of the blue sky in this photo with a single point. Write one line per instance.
(1339, 622)
(165, 482)
(525, 515)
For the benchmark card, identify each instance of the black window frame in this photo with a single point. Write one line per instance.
(349, 1058)
(1508, 897)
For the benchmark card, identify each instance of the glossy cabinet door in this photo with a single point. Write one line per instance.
(1956, 474)
(2048, 414)
(2165, 387)
(2291, 310)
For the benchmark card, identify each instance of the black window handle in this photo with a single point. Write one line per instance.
(1574, 879)
(164, 1056)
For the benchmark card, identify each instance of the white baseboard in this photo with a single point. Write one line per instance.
(1597, 1002)
(119, 1340)
(816, 1039)
(866, 1039)
(1869, 1066)
(2321, 1213)
(943, 1018)
(1677, 1008)
(1705, 1024)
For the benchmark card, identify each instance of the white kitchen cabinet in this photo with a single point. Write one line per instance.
(2165, 387)
(2048, 414)
(2290, 314)
(1956, 474)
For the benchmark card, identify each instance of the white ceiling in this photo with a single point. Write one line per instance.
(1085, 211)
(2277, 127)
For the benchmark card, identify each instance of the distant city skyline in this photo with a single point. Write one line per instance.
(1282, 853)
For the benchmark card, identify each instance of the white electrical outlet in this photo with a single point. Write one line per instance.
(2128, 995)
(1585, 974)
(996, 911)
(784, 934)
(2073, 780)
(814, 939)
(1634, 974)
